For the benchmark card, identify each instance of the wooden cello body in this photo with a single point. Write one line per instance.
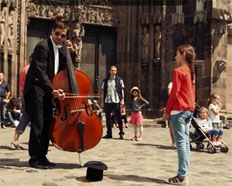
(75, 127)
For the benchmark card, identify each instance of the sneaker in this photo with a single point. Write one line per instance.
(120, 136)
(219, 143)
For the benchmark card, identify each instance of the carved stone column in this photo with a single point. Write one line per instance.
(77, 35)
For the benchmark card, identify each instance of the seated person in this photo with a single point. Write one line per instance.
(13, 112)
(96, 108)
(207, 126)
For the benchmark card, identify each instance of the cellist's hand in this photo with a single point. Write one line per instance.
(70, 46)
(59, 93)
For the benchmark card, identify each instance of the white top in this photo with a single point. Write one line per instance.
(170, 85)
(214, 117)
(205, 124)
(173, 112)
(112, 95)
(56, 55)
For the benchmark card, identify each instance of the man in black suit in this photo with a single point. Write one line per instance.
(49, 57)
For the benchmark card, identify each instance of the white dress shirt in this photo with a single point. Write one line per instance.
(56, 55)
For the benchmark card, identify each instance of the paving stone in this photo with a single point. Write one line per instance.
(149, 162)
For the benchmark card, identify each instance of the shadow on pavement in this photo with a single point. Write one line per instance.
(82, 179)
(13, 163)
(169, 147)
(156, 145)
(17, 164)
(9, 148)
(135, 178)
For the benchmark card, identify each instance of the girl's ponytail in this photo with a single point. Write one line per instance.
(190, 56)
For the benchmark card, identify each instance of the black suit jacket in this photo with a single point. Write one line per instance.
(41, 70)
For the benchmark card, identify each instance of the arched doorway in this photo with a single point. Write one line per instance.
(98, 53)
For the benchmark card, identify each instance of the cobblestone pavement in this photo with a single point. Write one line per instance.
(145, 163)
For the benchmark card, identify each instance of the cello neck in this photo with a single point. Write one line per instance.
(72, 79)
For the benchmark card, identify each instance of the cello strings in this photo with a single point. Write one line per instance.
(67, 93)
(71, 97)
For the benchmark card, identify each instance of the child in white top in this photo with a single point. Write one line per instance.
(206, 125)
(214, 110)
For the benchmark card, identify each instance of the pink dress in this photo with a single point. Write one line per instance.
(136, 113)
(136, 118)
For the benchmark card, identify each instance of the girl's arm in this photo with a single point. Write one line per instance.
(144, 102)
(216, 110)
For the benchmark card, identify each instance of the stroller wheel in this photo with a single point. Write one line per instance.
(200, 146)
(212, 150)
(224, 149)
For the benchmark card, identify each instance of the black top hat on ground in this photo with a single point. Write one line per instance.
(95, 170)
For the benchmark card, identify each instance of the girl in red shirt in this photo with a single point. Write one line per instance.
(179, 108)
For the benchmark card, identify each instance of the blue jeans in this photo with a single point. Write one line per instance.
(180, 123)
(212, 132)
(2, 112)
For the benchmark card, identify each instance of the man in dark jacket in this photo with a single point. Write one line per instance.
(49, 57)
(4, 98)
(113, 94)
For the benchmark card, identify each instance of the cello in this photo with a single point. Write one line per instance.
(75, 127)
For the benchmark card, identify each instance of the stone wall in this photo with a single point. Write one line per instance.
(147, 37)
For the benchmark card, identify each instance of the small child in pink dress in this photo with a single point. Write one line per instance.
(123, 114)
(138, 102)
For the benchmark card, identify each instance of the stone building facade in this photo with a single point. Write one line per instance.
(139, 36)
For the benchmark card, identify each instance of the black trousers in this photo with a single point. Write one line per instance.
(39, 108)
(109, 108)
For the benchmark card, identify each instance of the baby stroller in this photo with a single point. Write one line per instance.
(198, 137)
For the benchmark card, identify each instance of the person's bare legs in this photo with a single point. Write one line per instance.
(135, 133)
(16, 137)
(140, 133)
(15, 143)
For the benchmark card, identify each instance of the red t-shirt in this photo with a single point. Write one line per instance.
(23, 74)
(182, 96)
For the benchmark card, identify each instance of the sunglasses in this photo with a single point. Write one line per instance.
(59, 34)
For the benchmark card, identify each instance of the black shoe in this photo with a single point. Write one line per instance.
(38, 164)
(47, 162)
(3, 126)
(121, 134)
(107, 136)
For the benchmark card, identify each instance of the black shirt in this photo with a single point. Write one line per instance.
(4, 88)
